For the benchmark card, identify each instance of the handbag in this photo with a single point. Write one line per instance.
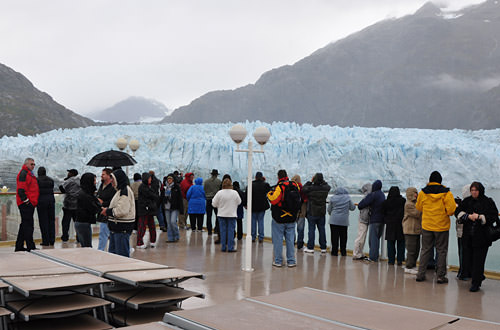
(493, 232)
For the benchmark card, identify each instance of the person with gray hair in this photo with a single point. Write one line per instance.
(27, 193)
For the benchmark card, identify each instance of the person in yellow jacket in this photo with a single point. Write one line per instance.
(436, 203)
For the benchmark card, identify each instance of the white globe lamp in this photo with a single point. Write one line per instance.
(262, 135)
(121, 143)
(238, 133)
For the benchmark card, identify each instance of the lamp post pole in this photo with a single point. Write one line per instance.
(261, 135)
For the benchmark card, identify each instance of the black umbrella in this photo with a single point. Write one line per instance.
(112, 158)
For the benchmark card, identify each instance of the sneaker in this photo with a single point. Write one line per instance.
(420, 278)
(276, 264)
(369, 260)
(411, 271)
(442, 280)
(306, 250)
(132, 250)
(359, 258)
(323, 251)
(142, 247)
(301, 249)
(292, 265)
(152, 245)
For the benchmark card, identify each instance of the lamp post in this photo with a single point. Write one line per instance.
(122, 143)
(261, 135)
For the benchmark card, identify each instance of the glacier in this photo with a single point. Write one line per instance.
(347, 157)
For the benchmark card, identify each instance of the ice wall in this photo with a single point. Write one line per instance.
(347, 156)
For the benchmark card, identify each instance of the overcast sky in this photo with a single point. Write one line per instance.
(89, 55)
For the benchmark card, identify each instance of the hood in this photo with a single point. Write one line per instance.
(87, 183)
(366, 188)
(198, 181)
(318, 178)
(411, 194)
(42, 171)
(394, 192)
(145, 177)
(121, 181)
(479, 186)
(296, 178)
(465, 191)
(187, 175)
(377, 185)
(341, 191)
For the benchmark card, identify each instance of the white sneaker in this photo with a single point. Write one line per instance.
(152, 245)
(306, 250)
(142, 247)
(411, 271)
(323, 251)
(132, 250)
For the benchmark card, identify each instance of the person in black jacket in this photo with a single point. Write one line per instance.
(393, 209)
(46, 208)
(239, 211)
(148, 208)
(316, 192)
(374, 201)
(476, 212)
(87, 208)
(260, 204)
(171, 200)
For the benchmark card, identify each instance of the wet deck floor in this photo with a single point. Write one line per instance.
(225, 281)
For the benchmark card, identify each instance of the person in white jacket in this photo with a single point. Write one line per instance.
(226, 201)
(121, 215)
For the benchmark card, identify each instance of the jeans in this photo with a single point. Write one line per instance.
(103, 236)
(84, 233)
(392, 246)
(119, 243)
(25, 232)
(159, 216)
(429, 240)
(375, 231)
(359, 243)
(47, 220)
(258, 221)
(172, 228)
(301, 223)
(338, 233)
(312, 222)
(66, 221)
(227, 226)
(286, 230)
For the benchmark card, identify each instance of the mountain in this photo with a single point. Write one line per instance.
(133, 110)
(26, 110)
(432, 69)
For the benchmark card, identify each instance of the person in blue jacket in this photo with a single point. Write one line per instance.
(374, 200)
(196, 204)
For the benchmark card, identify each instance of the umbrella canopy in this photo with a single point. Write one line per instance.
(112, 158)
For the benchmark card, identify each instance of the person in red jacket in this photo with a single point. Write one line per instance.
(27, 199)
(185, 185)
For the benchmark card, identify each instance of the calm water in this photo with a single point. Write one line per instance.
(492, 261)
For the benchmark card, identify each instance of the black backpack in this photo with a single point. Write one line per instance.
(289, 206)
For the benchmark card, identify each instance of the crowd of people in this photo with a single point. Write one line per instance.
(416, 226)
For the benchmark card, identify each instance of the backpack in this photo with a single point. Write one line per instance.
(289, 206)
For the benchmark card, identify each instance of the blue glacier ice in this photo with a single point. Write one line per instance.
(348, 157)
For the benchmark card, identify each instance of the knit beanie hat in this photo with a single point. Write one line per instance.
(436, 177)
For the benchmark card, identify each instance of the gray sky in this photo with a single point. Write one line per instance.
(91, 54)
